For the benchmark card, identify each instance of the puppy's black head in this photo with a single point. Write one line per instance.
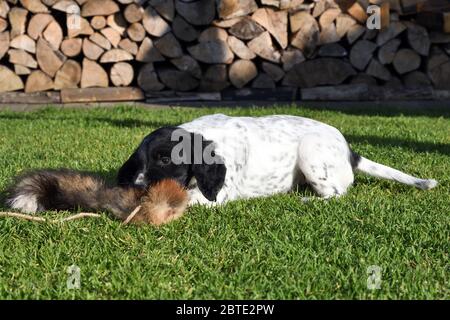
(174, 153)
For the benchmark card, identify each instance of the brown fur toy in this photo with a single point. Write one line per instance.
(64, 189)
(163, 202)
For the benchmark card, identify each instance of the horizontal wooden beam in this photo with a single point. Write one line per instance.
(30, 98)
(351, 92)
(364, 92)
(249, 94)
(101, 95)
(173, 96)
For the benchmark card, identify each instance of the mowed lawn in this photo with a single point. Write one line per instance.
(272, 248)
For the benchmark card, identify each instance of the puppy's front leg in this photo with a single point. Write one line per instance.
(196, 197)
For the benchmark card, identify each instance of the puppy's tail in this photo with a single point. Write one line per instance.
(381, 171)
(65, 189)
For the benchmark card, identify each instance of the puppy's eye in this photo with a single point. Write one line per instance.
(164, 160)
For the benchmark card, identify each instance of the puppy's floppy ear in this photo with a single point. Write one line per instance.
(128, 170)
(210, 178)
(209, 173)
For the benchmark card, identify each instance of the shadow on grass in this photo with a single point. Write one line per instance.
(413, 109)
(415, 146)
(122, 123)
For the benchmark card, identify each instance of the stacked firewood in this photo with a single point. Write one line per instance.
(210, 45)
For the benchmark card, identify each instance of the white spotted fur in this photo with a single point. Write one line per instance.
(272, 154)
(26, 203)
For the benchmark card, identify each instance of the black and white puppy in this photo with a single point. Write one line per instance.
(252, 157)
(153, 161)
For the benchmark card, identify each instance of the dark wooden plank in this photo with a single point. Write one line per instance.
(173, 96)
(101, 94)
(253, 94)
(363, 92)
(353, 92)
(401, 94)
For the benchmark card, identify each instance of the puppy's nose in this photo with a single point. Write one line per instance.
(140, 180)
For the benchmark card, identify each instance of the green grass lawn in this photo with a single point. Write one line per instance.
(272, 248)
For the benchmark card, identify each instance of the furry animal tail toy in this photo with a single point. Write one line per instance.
(64, 189)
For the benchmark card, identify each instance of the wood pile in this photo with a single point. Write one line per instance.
(216, 45)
